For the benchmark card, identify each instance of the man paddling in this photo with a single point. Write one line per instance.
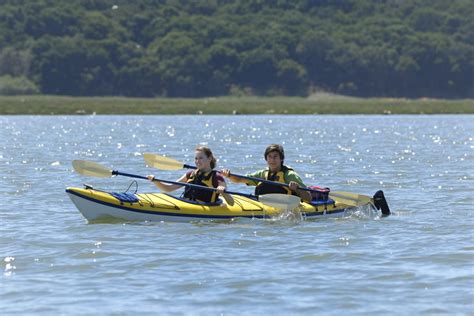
(275, 171)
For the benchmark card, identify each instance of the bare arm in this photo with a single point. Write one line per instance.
(221, 187)
(303, 194)
(167, 187)
(226, 173)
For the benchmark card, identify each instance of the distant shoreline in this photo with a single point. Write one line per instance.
(316, 104)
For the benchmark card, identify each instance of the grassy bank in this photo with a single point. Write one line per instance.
(316, 104)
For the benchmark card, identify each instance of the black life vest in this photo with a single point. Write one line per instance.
(280, 176)
(199, 178)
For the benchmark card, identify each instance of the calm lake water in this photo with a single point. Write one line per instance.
(420, 260)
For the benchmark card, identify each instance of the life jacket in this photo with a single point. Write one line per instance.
(280, 176)
(199, 178)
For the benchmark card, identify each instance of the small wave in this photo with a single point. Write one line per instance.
(363, 212)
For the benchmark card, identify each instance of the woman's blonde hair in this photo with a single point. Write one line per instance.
(208, 153)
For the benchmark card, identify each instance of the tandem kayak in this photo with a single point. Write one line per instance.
(96, 205)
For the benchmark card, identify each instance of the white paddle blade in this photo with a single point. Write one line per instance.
(280, 201)
(89, 168)
(162, 162)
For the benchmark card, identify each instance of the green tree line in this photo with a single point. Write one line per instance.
(178, 48)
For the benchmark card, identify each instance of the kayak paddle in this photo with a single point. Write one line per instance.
(280, 201)
(166, 163)
(93, 169)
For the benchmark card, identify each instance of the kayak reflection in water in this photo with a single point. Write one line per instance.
(275, 171)
(204, 175)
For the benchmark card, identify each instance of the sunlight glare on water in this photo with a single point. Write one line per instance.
(418, 261)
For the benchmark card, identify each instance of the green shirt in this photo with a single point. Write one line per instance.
(290, 175)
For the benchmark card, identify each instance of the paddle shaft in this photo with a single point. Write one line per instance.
(280, 184)
(259, 180)
(167, 163)
(195, 186)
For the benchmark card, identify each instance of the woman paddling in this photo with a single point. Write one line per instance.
(275, 171)
(204, 175)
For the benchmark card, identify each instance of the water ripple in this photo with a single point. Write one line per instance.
(55, 263)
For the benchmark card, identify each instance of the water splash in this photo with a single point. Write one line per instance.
(290, 215)
(367, 212)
